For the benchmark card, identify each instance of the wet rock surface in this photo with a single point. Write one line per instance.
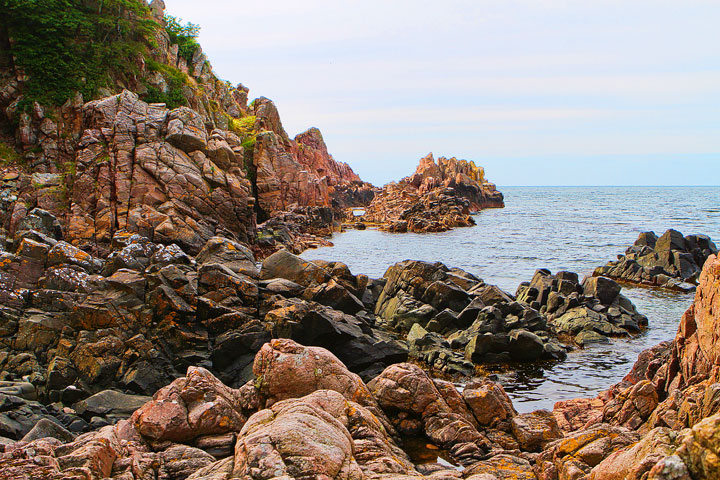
(671, 261)
(587, 312)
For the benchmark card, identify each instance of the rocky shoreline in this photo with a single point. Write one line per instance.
(157, 323)
(86, 341)
(303, 414)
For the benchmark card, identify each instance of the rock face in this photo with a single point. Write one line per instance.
(181, 175)
(161, 173)
(157, 172)
(299, 172)
(671, 261)
(437, 197)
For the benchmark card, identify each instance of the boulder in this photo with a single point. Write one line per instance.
(488, 402)
(233, 255)
(45, 428)
(111, 404)
(186, 130)
(525, 346)
(190, 407)
(283, 264)
(603, 288)
(536, 429)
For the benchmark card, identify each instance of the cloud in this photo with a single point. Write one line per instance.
(388, 81)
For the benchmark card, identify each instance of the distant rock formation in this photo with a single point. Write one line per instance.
(437, 197)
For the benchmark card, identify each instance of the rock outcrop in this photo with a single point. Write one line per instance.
(74, 324)
(453, 320)
(437, 197)
(670, 261)
(303, 414)
(588, 312)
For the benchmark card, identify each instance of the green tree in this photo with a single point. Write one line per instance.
(67, 46)
(185, 35)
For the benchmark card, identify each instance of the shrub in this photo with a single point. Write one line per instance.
(242, 127)
(184, 35)
(66, 46)
(175, 79)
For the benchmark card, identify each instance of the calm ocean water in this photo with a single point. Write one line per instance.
(560, 228)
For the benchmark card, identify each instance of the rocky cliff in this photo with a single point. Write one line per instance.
(437, 197)
(176, 155)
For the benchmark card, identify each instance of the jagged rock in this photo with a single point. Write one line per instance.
(576, 454)
(589, 312)
(415, 405)
(671, 261)
(163, 193)
(503, 467)
(535, 430)
(605, 289)
(356, 344)
(638, 460)
(437, 197)
(481, 321)
(186, 130)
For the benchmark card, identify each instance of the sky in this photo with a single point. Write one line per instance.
(544, 92)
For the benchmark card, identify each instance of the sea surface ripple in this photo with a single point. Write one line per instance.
(560, 228)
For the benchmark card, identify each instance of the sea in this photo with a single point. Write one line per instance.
(559, 228)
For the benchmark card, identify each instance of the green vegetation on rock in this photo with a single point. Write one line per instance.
(173, 96)
(65, 46)
(8, 155)
(185, 35)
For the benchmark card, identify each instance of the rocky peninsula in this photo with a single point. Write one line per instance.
(437, 197)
